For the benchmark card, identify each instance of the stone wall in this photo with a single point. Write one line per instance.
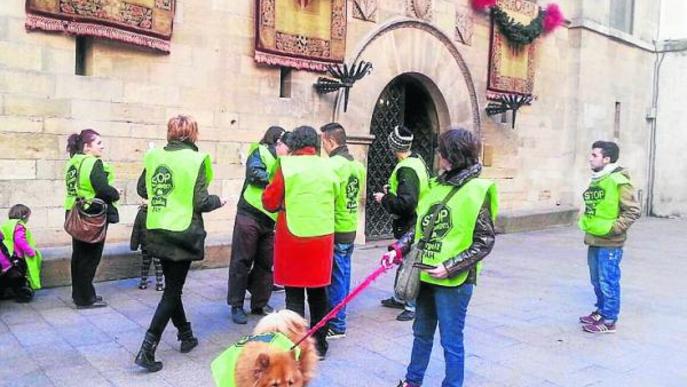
(129, 94)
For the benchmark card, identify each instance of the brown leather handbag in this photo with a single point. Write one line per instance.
(87, 220)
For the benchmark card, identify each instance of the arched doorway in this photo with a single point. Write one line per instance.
(404, 101)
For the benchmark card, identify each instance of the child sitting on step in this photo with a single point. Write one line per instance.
(138, 239)
(20, 248)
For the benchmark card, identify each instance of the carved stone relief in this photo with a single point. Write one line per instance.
(464, 25)
(365, 10)
(419, 9)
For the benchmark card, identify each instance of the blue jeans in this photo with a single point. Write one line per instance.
(341, 284)
(447, 306)
(604, 272)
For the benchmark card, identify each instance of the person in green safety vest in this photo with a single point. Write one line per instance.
(252, 243)
(87, 176)
(408, 181)
(303, 192)
(351, 174)
(610, 208)
(175, 182)
(459, 208)
(20, 245)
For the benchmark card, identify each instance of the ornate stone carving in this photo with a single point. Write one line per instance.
(464, 25)
(365, 10)
(448, 43)
(419, 9)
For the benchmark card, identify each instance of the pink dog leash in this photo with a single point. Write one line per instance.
(388, 261)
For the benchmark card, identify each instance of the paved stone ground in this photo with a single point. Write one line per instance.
(521, 329)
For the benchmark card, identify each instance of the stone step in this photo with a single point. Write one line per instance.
(512, 221)
(120, 262)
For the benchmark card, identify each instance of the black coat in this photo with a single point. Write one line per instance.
(402, 206)
(187, 245)
(138, 231)
(257, 175)
(104, 191)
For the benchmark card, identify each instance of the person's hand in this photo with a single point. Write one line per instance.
(378, 196)
(389, 258)
(439, 272)
(385, 189)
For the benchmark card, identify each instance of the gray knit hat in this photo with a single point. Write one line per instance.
(401, 139)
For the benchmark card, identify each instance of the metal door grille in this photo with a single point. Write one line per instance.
(402, 102)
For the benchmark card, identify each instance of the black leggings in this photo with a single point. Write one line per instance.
(317, 302)
(170, 305)
(85, 260)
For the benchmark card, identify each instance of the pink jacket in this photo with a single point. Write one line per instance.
(21, 245)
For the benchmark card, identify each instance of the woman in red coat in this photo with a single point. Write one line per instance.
(303, 190)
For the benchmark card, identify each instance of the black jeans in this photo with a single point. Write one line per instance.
(170, 305)
(85, 260)
(252, 249)
(317, 302)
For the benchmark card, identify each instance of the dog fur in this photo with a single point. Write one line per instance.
(261, 365)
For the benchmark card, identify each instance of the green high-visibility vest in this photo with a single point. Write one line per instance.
(602, 204)
(77, 177)
(34, 263)
(252, 194)
(454, 223)
(416, 164)
(224, 366)
(351, 174)
(170, 181)
(311, 187)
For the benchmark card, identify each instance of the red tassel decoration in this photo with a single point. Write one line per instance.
(554, 18)
(481, 5)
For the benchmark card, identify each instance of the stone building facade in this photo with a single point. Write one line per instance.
(593, 81)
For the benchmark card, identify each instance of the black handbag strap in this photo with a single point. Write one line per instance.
(429, 228)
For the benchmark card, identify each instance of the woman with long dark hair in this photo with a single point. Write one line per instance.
(88, 176)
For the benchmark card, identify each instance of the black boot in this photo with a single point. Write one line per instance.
(146, 356)
(185, 335)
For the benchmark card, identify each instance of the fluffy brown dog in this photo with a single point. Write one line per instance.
(261, 365)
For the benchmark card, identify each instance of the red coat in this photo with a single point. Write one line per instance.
(298, 262)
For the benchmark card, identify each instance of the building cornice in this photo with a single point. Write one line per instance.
(611, 33)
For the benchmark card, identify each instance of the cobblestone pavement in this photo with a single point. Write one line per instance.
(521, 329)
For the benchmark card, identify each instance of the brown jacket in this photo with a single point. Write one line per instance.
(629, 212)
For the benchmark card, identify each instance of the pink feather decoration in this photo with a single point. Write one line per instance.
(554, 18)
(481, 5)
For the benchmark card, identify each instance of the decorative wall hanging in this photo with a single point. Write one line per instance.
(464, 26)
(344, 76)
(511, 57)
(419, 9)
(303, 34)
(145, 23)
(365, 10)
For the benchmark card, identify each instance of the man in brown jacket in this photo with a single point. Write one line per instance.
(610, 210)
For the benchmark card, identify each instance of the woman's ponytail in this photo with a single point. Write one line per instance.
(74, 144)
